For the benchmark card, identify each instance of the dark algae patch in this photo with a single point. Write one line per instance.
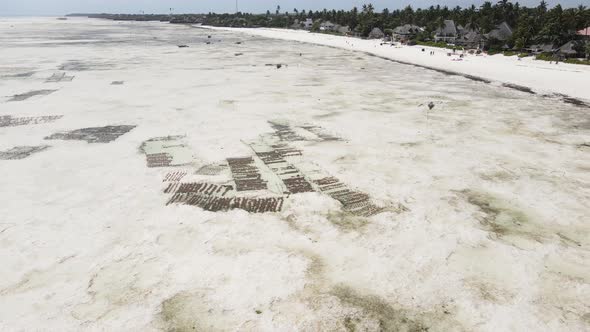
(188, 312)
(388, 317)
(498, 217)
(506, 221)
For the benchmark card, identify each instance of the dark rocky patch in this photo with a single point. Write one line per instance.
(21, 152)
(519, 88)
(575, 101)
(79, 65)
(31, 94)
(19, 75)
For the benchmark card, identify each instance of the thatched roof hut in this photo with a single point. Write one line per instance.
(571, 49)
(447, 33)
(501, 32)
(376, 33)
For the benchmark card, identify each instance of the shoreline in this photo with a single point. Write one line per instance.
(564, 81)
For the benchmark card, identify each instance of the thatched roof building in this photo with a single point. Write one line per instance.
(406, 32)
(448, 33)
(376, 33)
(501, 32)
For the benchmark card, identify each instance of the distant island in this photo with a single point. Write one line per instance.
(548, 33)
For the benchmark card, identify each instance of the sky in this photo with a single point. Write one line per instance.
(60, 7)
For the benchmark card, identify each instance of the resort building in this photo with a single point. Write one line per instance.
(471, 39)
(406, 32)
(502, 32)
(376, 33)
(541, 48)
(328, 26)
(447, 33)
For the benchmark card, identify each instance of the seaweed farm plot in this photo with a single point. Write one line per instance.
(214, 197)
(353, 202)
(285, 132)
(93, 135)
(31, 94)
(321, 133)
(21, 152)
(9, 121)
(274, 157)
(167, 151)
(59, 77)
(171, 151)
(288, 133)
(175, 176)
(246, 174)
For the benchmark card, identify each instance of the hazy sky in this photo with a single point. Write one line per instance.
(59, 7)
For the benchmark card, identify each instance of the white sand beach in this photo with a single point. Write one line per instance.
(540, 76)
(245, 183)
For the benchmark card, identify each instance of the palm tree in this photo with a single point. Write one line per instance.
(473, 23)
(440, 23)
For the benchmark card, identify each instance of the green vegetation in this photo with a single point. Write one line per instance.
(578, 62)
(551, 57)
(545, 57)
(535, 24)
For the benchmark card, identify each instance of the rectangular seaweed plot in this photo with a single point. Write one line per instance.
(215, 203)
(285, 132)
(274, 157)
(321, 133)
(9, 121)
(166, 152)
(198, 188)
(93, 135)
(59, 77)
(354, 202)
(31, 94)
(246, 174)
(174, 176)
(21, 152)
(215, 197)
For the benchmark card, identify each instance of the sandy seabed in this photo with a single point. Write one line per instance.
(151, 187)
